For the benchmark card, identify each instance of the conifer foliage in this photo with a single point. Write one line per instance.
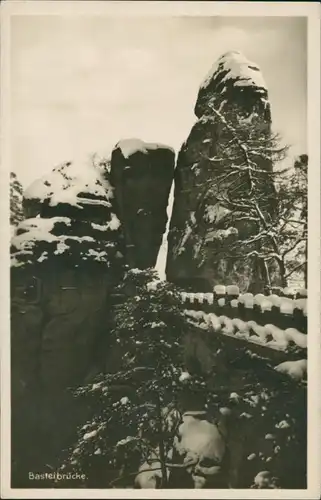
(130, 421)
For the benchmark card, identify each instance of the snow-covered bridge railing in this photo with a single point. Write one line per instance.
(271, 327)
(282, 311)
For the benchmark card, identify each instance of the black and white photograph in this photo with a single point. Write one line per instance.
(161, 288)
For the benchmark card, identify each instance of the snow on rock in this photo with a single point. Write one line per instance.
(233, 86)
(114, 222)
(142, 176)
(38, 229)
(234, 303)
(129, 147)
(39, 239)
(230, 78)
(221, 234)
(152, 286)
(264, 479)
(89, 435)
(235, 397)
(215, 213)
(66, 182)
(294, 369)
(184, 376)
(200, 441)
(283, 424)
(235, 66)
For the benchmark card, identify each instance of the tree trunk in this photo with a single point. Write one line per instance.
(284, 282)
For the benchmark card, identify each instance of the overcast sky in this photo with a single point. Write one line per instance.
(80, 84)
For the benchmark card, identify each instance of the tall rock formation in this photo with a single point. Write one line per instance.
(142, 175)
(213, 174)
(66, 258)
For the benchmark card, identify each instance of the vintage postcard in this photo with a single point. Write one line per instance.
(160, 250)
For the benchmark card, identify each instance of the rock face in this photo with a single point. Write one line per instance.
(65, 261)
(212, 175)
(234, 81)
(142, 175)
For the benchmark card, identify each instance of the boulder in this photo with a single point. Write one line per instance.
(76, 189)
(203, 227)
(65, 262)
(200, 448)
(142, 175)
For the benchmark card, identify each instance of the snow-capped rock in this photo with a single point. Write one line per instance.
(142, 175)
(201, 447)
(233, 95)
(294, 369)
(46, 239)
(236, 67)
(184, 376)
(130, 147)
(264, 479)
(231, 76)
(80, 187)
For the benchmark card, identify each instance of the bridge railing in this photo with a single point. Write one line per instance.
(282, 311)
(272, 326)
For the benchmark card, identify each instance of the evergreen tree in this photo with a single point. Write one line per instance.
(292, 226)
(130, 407)
(16, 212)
